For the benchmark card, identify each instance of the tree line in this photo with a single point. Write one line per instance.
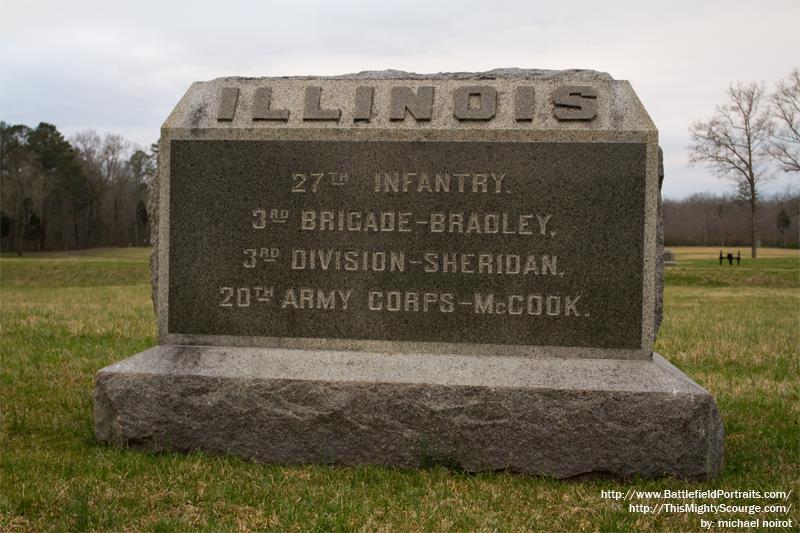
(724, 221)
(60, 194)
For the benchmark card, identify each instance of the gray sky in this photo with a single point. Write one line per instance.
(121, 66)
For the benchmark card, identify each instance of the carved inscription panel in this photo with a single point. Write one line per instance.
(458, 242)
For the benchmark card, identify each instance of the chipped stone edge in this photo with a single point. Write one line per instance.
(324, 379)
(498, 73)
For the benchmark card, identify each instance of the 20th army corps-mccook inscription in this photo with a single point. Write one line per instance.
(409, 241)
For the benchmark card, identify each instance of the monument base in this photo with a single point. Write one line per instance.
(557, 417)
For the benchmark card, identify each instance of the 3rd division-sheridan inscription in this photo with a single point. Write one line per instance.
(455, 242)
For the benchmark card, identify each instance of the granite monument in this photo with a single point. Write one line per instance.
(393, 268)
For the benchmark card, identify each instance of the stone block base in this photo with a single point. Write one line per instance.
(555, 417)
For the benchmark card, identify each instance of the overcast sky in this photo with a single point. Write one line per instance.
(122, 66)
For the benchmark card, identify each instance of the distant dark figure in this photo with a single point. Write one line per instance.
(738, 258)
(730, 258)
(720, 258)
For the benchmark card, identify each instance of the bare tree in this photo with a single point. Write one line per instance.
(785, 110)
(113, 168)
(105, 163)
(88, 146)
(733, 144)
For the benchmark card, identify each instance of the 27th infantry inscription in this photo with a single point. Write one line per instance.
(452, 242)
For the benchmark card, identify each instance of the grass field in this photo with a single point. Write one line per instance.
(735, 330)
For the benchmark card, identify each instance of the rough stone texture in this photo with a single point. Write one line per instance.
(509, 73)
(560, 418)
(659, 307)
(152, 215)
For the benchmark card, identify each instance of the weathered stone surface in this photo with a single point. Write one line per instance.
(601, 280)
(255, 358)
(556, 417)
(599, 200)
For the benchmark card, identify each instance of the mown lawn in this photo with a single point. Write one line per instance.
(735, 330)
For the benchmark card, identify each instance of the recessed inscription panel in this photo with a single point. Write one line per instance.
(507, 243)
